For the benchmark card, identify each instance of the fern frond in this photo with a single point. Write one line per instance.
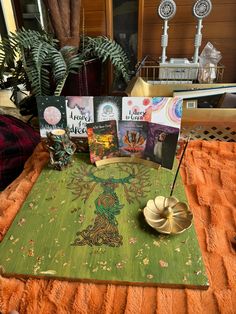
(105, 48)
(64, 62)
(7, 53)
(60, 86)
(73, 60)
(39, 75)
(30, 38)
(59, 68)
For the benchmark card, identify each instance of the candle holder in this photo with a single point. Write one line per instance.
(60, 148)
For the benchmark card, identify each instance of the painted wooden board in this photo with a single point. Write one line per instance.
(86, 223)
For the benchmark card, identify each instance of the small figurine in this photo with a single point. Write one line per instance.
(60, 148)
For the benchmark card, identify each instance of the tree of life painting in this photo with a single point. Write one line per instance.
(107, 205)
(86, 223)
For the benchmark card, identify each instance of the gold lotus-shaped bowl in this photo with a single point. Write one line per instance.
(168, 215)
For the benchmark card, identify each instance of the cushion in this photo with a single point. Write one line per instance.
(17, 142)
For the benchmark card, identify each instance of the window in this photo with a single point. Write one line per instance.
(3, 28)
(125, 27)
(125, 32)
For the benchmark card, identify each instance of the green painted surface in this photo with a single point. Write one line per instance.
(51, 236)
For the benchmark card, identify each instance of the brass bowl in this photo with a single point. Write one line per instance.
(168, 215)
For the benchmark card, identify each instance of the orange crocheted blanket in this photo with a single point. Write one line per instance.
(208, 172)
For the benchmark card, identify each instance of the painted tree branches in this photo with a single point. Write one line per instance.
(104, 230)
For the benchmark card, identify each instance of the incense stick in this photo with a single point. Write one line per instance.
(180, 162)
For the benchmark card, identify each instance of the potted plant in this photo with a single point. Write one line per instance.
(43, 63)
(36, 59)
(65, 18)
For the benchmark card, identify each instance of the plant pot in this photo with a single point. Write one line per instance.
(88, 82)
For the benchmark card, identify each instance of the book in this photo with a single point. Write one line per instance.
(79, 112)
(107, 108)
(52, 113)
(161, 144)
(134, 108)
(132, 138)
(102, 140)
(203, 92)
(166, 111)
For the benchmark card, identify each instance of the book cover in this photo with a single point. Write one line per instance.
(132, 138)
(79, 111)
(102, 140)
(107, 108)
(52, 113)
(161, 144)
(166, 111)
(135, 108)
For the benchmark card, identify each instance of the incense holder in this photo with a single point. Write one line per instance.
(60, 148)
(168, 215)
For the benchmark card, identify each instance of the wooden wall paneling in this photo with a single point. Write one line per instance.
(179, 3)
(109, 18)
(220, 12)
(16, 5)
(95, 23)
(187, 47)
(109, 33)
(93, 6)
(95, 17)
(218, 28)
(187, 31)
(140, 29)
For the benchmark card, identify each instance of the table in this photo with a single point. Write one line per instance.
(210, 184)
